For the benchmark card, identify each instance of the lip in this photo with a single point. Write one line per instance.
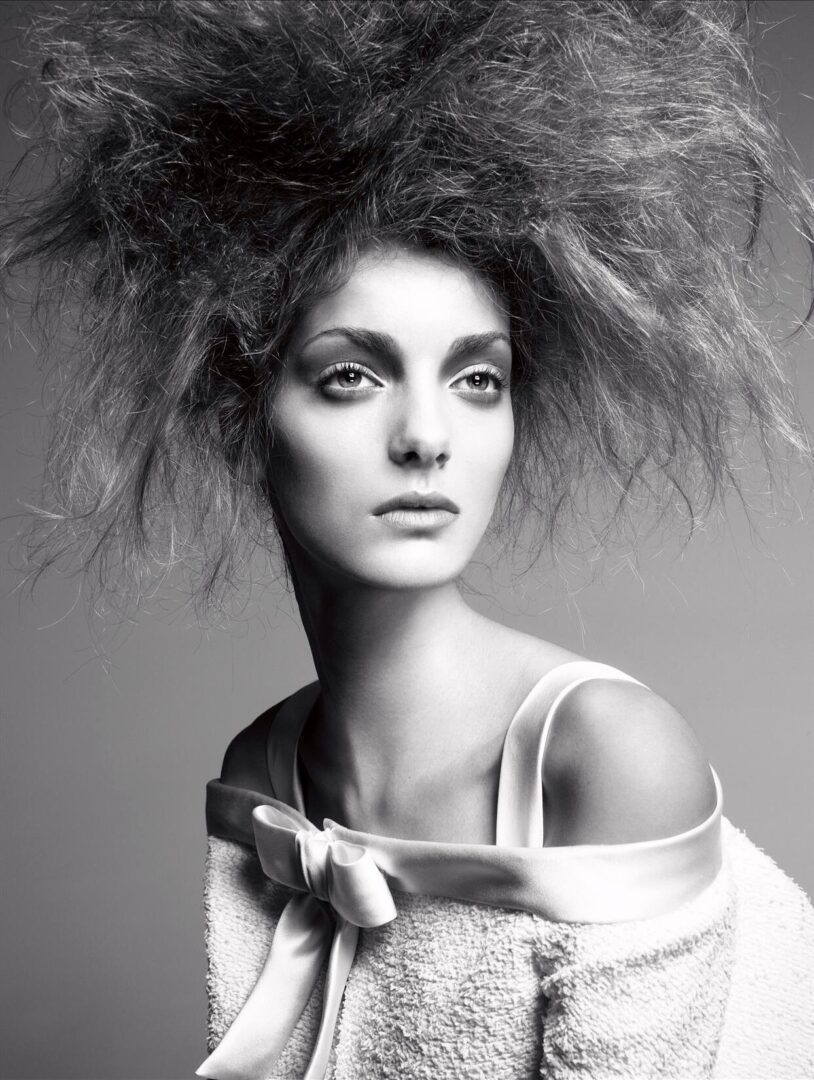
(423, 519)
(418, 500)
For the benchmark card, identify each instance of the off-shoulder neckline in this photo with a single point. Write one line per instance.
(284, 766)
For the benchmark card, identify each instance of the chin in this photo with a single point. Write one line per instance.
(427, 569)
(380, 562)
(416, 582)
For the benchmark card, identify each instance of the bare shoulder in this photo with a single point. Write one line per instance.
(526, 655)
(621, 765)
(245, 763)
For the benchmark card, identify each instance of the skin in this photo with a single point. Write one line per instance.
(417, 689)
(379, 398)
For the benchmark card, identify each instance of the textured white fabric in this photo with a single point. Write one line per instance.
(769, 1027)
(452, 990)
(717, 982)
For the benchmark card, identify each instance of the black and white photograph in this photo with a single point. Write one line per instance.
(407, 521)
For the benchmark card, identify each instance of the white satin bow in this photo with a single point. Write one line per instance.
(343, 874)
(340, 885)
(343, 890)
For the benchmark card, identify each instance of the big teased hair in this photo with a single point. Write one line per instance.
(218, 163)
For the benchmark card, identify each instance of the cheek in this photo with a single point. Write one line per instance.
(317, 464)
(507, 444)
(324, 469)
(488, 451)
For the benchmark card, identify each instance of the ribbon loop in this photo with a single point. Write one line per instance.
(358, 889)
(295, 853)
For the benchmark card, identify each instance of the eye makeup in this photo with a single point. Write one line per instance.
(355, 376)
(348, 378)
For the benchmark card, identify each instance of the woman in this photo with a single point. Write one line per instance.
(375, 276)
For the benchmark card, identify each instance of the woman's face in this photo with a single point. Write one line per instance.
(395, 390)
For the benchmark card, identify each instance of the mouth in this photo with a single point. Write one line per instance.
(422, 502)
(417, 520)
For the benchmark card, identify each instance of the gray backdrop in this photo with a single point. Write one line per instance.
(106, 751)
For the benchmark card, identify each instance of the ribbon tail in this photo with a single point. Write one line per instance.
(261, 1029)
(343, 951)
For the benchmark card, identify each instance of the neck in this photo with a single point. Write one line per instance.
(391, 666)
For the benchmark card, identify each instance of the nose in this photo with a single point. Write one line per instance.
(420, 434)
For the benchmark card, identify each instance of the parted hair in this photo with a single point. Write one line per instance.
(214, 165)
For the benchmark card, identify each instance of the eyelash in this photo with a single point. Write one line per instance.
(348, 365)
(493, 373)
(340, 369)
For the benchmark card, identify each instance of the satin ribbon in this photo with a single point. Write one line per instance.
(343, 890)
(342, 878)
(342, 881)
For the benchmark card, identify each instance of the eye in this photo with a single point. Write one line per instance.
(346, 379)
(481, 383)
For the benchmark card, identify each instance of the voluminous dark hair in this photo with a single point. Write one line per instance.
(217, 164)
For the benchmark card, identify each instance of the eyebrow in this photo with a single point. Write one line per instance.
(375, 342)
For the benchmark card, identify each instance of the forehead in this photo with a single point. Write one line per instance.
(411, 294)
